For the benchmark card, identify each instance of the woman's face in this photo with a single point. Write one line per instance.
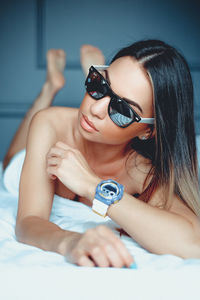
(128, 79)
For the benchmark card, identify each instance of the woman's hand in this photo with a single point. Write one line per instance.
(98, 247)
(70, 167)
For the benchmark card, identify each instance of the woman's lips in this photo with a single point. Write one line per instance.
(87, 124)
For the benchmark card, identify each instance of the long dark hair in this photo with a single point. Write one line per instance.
(173, 148)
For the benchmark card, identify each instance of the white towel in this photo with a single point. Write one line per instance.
(11, 175)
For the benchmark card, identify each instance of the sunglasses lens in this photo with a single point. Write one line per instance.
(94, 85)
(120, 112)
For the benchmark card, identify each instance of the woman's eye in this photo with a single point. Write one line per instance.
(135, 108)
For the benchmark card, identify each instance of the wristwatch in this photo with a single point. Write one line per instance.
(107, 193)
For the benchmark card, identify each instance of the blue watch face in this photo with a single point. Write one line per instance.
(109, 190)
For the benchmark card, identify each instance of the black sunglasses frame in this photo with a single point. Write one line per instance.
(114, 98)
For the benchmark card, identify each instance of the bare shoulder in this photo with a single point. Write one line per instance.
(41, 131)
(55, 121)
(56, 115)
(36, 188)
(47, 127)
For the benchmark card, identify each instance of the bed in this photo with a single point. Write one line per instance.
(30, 273)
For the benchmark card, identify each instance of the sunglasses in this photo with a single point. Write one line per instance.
(119, 111)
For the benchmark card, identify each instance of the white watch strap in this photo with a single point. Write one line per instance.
(100, 208)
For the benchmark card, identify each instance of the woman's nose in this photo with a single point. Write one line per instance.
(99, 108)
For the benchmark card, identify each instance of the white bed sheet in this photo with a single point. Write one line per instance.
(30, 273)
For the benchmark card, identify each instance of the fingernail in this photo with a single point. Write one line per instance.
(133, 266)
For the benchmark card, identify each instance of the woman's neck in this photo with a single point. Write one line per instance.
(104, 153)
(102, 156)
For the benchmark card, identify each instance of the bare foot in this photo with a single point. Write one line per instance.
(89, 56)
(56, 61)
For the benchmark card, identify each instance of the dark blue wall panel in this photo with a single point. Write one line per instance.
(28, 28)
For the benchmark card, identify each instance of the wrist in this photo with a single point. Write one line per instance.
(108, 192)
(92, 188)
(69, 238)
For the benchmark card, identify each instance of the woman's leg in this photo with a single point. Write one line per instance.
(90, 55)
(56, 61)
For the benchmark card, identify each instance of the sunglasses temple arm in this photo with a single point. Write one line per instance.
(147, 120)
(100, 67)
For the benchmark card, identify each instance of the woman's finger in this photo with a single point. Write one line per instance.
(99, 256)
(62, 146)
(114, 257)
(52, 170)
(85, 261)
(123, 251)
(80, 256)
(118, 245)
(53, 161)
(55, 151)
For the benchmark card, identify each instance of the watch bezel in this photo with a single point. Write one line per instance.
(101, 196)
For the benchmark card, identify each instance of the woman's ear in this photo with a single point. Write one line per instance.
(153, 131)
(148, 133)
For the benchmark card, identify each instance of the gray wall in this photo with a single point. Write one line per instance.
(28, 28)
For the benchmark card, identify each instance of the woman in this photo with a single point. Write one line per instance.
(135, 127)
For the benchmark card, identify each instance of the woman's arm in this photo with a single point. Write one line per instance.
(159, 231)
(176, 231)
(36, 189)
(98, 246)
